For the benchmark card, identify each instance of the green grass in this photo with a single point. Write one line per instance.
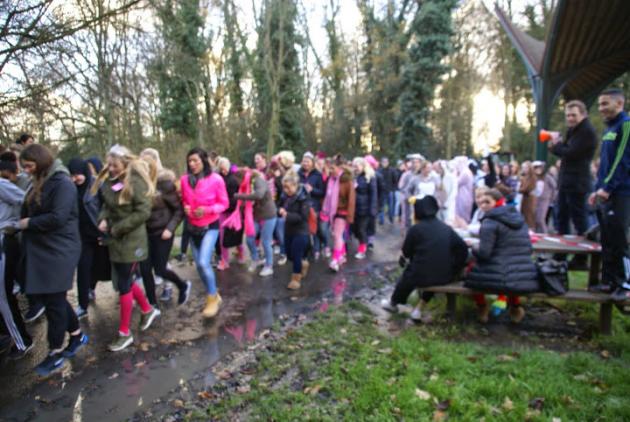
(340, 366)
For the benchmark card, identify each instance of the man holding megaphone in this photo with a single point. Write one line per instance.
(576, 152)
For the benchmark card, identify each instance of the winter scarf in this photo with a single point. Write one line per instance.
(234, 220)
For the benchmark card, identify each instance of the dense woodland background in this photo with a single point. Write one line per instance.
(82, 75)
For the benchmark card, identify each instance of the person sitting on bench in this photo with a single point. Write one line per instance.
(433, 254)
(504, 257)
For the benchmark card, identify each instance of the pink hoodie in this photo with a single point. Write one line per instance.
(209, 194)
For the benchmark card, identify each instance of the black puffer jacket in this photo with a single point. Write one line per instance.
(367, 196)
(504, 259)
(167, 211)
(298, 209)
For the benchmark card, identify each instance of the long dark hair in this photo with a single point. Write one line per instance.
(43, 159)
(207, 169)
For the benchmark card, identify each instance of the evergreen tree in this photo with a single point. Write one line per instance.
(278, 79)
(178, 67)
(431, 41)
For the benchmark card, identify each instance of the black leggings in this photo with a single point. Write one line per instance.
(123, 273)
(86, 271)
(361, 223)
(159, 252)
(60, 316)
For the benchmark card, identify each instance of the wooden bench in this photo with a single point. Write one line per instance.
(605, 304)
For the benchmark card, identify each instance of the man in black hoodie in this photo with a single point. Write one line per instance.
(434, 252)
(576, 154)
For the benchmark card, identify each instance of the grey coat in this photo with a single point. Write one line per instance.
(264, 207)
(51, 241)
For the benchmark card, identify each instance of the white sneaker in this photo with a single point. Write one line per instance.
(416, 315)
(253, 266)
(327, 253)
(266, 271)
(359, 255)
(276, 250)
(282, 259)
(334, 265)
(388, 306)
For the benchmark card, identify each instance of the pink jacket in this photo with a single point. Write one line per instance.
(209, 194)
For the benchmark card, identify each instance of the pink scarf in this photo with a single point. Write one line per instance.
(234, 220)
(329, 208)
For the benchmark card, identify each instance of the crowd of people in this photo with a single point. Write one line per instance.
(118, 220)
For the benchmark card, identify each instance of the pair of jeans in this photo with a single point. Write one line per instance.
(614, 221)
(202, 250)
(320, 239)
(60, 317)
(572, 208)
(279, 234)
(266, 229)
(159, 252)
(391, 205)
(297, 247)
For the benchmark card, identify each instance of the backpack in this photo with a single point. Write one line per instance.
(553, 276)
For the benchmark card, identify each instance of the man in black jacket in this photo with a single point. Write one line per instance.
(435, 255)
(576, 153)
(390, 185)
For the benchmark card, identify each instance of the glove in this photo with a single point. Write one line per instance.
(402, 261)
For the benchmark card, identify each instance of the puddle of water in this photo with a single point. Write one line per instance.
(118, 386)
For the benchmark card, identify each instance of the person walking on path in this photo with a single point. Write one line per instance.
(51, 240)
(204, 198)
(127, 192)
(166, 214)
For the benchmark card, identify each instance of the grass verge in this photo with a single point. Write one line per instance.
(341, 366)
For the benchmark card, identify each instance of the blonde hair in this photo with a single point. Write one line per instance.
(154, 155)
(131, 164)
(286, 159)
(367, 169)
(291, 177)
(223, 163)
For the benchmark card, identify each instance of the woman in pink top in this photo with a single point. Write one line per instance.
(204, 197)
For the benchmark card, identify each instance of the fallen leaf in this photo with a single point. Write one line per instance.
(301, 317)
(144, 347)
(443, 405)
(532, 414)
(264, 334)
(439, 416)
(375, 343)
(224, 375)
(433, 377)
(385, 351)
(507, 404)
(422, 395)
(554, 419)
(472, 359)
(113, 376)
(343, 331)
(178, 403)
(204, 395)
(605, 354)
(140, 364)
(537, 403)
(312, 390)
(571, 323)
(505, 358)
(243, 389)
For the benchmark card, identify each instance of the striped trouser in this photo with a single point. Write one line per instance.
(5, 310)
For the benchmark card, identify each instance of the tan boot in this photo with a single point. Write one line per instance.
(295, 282)
(483, 313)
(517, 313)
(305, 266)
(213, 302)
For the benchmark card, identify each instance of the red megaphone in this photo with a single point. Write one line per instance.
(547, 135)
